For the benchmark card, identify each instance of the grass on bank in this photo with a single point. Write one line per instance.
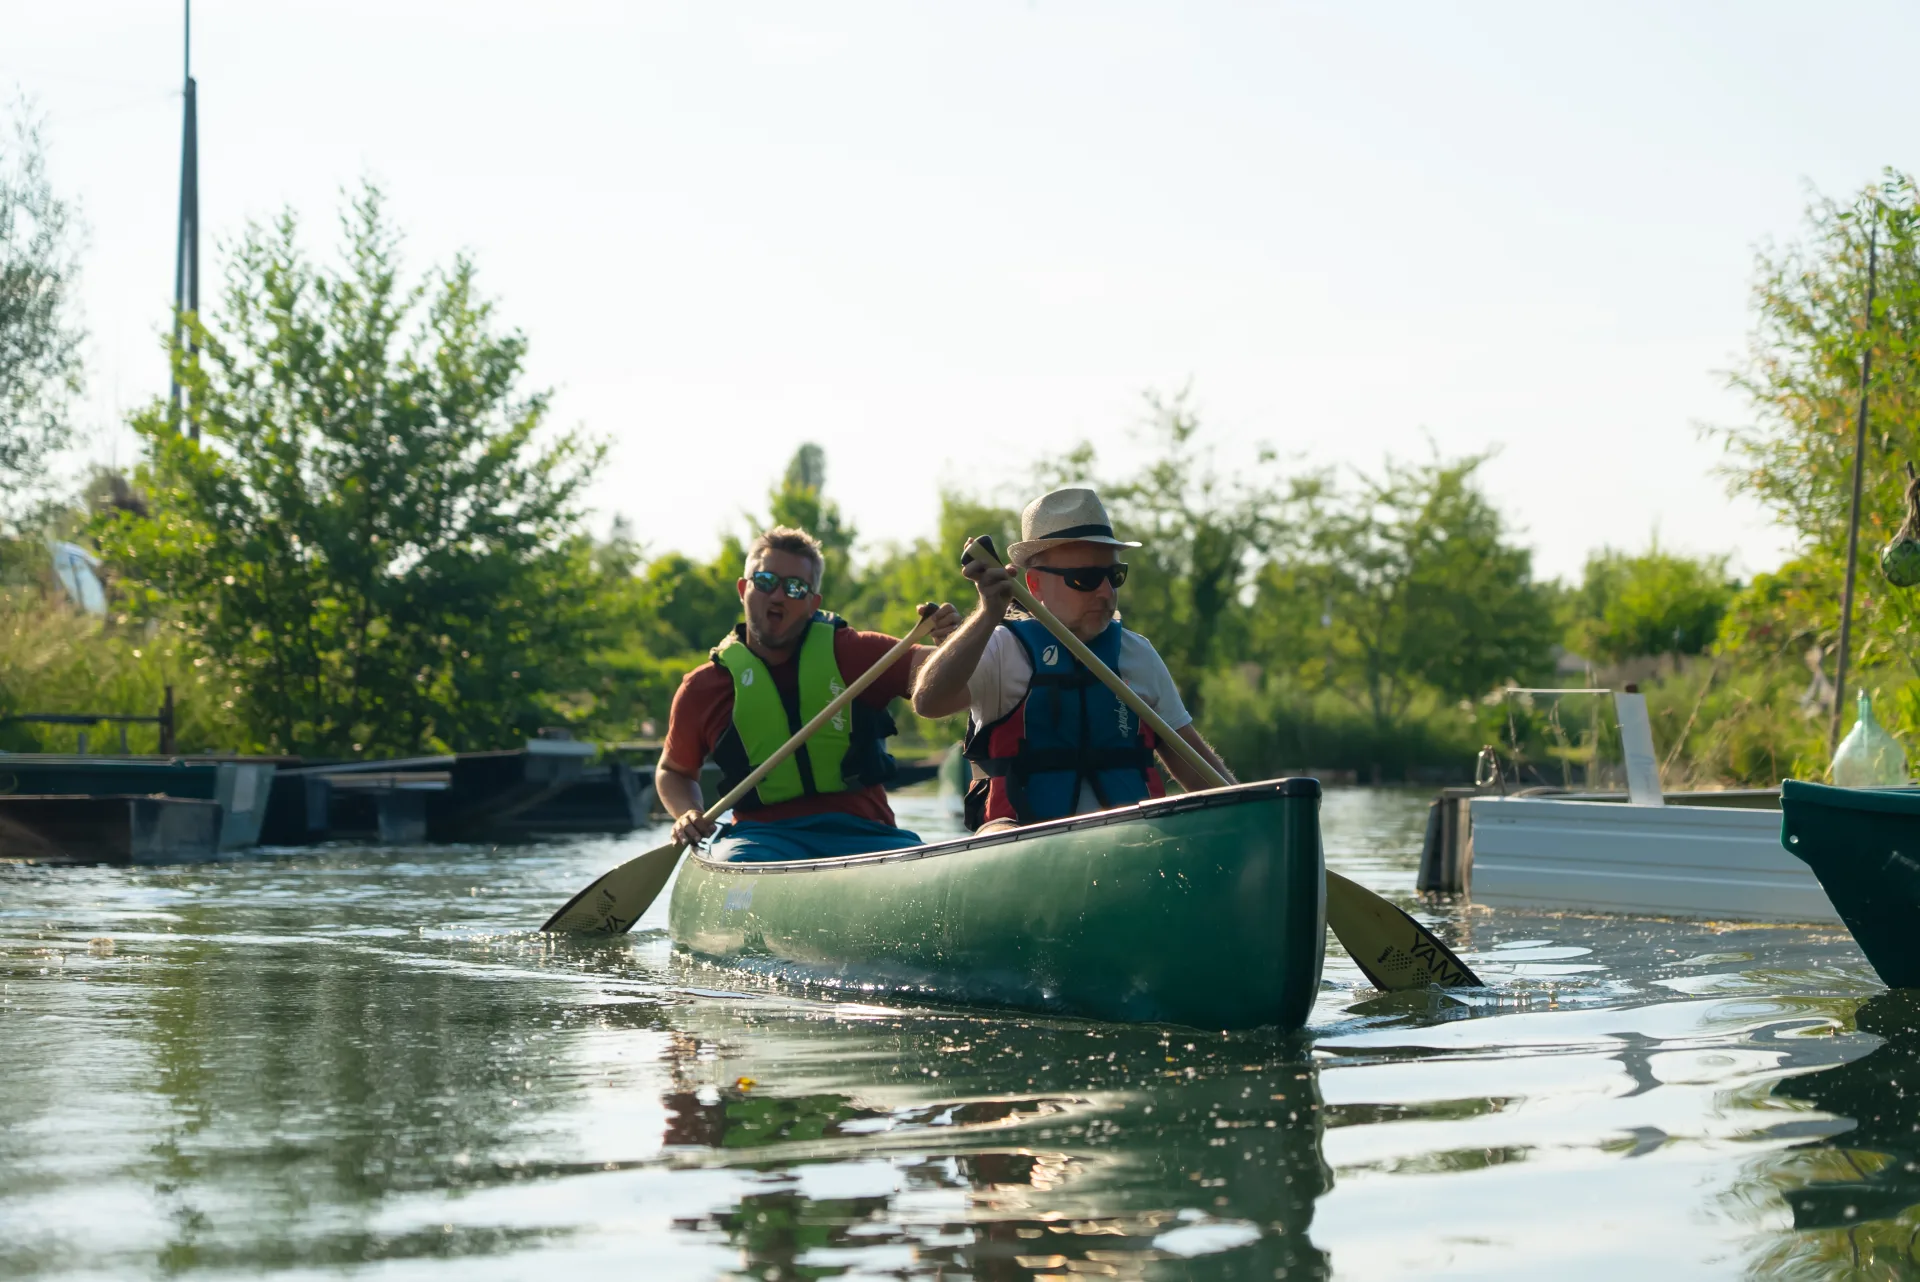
(55, 658)
(1264, 728)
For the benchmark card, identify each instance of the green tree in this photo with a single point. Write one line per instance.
(1802, 379)
(1408, 583)
(376, 536)
(39, 335)
(1651, 602)
(691, 605)
(1205, 528)
(668, 616)
(899, 578)
(800, 500)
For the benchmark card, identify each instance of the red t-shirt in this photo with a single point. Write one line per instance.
(703, 711)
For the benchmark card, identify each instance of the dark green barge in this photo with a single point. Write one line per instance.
(1205, 910)
(1864, 846)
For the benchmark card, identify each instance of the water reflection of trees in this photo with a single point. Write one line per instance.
(307, 1084)
(1855, 1196)
(1038, 1149)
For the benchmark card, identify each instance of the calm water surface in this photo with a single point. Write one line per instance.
(364, 1061)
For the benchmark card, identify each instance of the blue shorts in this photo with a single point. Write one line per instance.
(811, 837)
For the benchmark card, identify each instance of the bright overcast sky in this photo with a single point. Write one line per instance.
(946, 239)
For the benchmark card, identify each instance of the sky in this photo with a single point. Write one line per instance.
(949, 241)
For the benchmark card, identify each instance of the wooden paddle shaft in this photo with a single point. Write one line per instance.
(1078, 649)
(854, 690)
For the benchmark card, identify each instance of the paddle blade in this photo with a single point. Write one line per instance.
(612, 904)
(1393, 949)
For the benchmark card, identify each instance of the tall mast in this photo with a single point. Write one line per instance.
(186, 250)
(1853, 520)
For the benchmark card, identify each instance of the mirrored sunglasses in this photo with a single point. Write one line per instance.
(767, 581)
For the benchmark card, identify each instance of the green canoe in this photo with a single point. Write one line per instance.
(1864, 846)
(1205, 910)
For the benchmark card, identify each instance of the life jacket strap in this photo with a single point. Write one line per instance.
(1075, 679)
(1083, 761)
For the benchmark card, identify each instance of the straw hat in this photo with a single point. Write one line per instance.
(1064, 516)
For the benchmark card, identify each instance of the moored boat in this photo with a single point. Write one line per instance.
(89, 829)
(1206, 910)
(1713, 855)
(1864, 846)
(240, 785)
(485, 788)
(468, 796)
(611, 798)
(1701, 855)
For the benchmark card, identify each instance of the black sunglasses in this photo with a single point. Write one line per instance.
(767, 581)
(1085, 578)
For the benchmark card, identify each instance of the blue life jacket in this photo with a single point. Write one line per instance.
(1068, 730)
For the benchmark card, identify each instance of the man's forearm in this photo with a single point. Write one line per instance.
(1191, 734)
(1189, 778)
(940, 686)
(678, 793)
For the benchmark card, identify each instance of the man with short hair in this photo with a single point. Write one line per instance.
(769, 677)
(1046, 738)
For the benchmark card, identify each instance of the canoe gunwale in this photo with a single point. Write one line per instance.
(1892, 801)
(1206, 799)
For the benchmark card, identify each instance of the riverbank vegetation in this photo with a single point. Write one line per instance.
(360, 534)
(366, 521)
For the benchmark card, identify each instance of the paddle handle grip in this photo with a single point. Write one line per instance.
(1110, 679)
(854, 690)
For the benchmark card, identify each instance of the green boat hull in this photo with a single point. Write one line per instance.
(1864, 846)
(1207, 911)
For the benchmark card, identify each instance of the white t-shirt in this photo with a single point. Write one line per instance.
(1005, 672)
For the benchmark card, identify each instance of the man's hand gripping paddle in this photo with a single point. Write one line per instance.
(612, 904)
(1389, 946)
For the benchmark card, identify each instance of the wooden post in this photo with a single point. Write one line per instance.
(1446, 856)
(166, 723)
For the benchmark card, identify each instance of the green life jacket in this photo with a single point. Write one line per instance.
(847, 752)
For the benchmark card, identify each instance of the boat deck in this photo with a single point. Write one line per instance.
(1698, 860)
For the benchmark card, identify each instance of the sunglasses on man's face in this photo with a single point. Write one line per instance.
(768, 582)
(1085, 578)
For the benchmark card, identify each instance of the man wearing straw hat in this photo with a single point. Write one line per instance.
(1045, 737)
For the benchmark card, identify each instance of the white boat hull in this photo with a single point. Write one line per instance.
(1665, 861)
